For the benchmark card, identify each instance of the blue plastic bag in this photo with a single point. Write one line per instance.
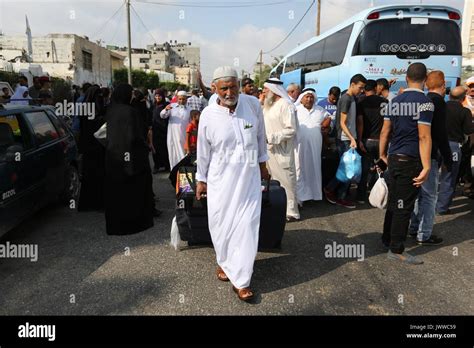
(350, 167)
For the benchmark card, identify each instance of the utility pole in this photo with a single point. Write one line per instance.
(261, 67)
(129, 44)
(318, 21)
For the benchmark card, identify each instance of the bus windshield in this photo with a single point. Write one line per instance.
(409, 38)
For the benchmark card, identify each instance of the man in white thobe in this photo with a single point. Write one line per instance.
(312, 119)
(178, 115)
(231, 155)
(280, 126)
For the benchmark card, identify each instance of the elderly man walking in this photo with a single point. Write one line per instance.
(231, 155)
(281, 125)
(178, 114)
(313, 120)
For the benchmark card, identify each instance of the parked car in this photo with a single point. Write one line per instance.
(38, 162)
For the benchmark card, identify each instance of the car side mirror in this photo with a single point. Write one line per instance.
(13, 153)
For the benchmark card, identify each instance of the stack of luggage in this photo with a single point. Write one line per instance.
(191, 214)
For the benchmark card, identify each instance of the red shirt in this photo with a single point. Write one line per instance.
(192, 130)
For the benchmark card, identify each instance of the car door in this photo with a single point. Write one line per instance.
(19, 181)
(49, 153)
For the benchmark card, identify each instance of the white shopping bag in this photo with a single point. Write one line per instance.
(378, 197)
(101, 134)
(472, 165)
(175, 237)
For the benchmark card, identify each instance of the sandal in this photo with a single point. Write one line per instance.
(244, 294)
(221, 275)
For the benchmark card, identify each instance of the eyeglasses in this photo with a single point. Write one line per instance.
(471, 85)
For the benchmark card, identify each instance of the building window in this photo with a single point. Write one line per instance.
(157, 61)
(87, 60)
(471, 48)
(144, 60)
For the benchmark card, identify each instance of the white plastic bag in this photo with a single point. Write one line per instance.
(175, 237)
(378, 197)
(101, 134)
(472, 165)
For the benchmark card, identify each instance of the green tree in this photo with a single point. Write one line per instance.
(139, 78)
(266, 71)
(10, 77)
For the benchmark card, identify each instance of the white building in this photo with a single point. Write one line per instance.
(67, 56)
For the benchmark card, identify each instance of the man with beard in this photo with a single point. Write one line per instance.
(313, 120)
(178, 115)
(231, 140)
(281, 125)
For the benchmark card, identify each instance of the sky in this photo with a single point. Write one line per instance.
(226, 35)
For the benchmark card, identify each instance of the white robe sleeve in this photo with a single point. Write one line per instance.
(261, 137)
(165, 113)
(288, 120)
(203, 152)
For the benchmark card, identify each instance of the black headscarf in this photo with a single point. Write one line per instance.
(94, 95)
(122, 94)
(160, 92)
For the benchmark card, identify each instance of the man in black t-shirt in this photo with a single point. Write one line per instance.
(369, 125)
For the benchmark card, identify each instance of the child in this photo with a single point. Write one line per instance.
(190, 146)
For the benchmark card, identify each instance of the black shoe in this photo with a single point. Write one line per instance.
(156, 212)
(433, 240)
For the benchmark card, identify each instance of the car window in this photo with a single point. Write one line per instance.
(42, 127)
(58, 124)
(12, 132)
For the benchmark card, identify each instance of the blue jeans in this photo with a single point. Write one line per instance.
(422, 218)
(340, 188)
(448, 180)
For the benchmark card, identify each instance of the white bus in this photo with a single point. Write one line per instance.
(380, 42)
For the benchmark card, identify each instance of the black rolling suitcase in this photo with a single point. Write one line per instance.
(191, 214)
(273, 216)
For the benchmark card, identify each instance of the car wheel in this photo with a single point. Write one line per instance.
(72, 186)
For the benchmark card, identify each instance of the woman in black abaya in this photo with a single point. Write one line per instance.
(160, 131)
(93, 154)
(128, 184)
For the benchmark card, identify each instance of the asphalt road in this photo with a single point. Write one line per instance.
(82, 271)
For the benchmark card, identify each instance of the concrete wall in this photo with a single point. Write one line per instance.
(61, 55)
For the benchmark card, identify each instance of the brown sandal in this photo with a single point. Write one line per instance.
(221, 275)
(244, 294)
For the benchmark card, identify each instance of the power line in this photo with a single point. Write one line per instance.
(118, 27)
(212, 5)
(106, 22)
(292, 30)
(141, 21)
